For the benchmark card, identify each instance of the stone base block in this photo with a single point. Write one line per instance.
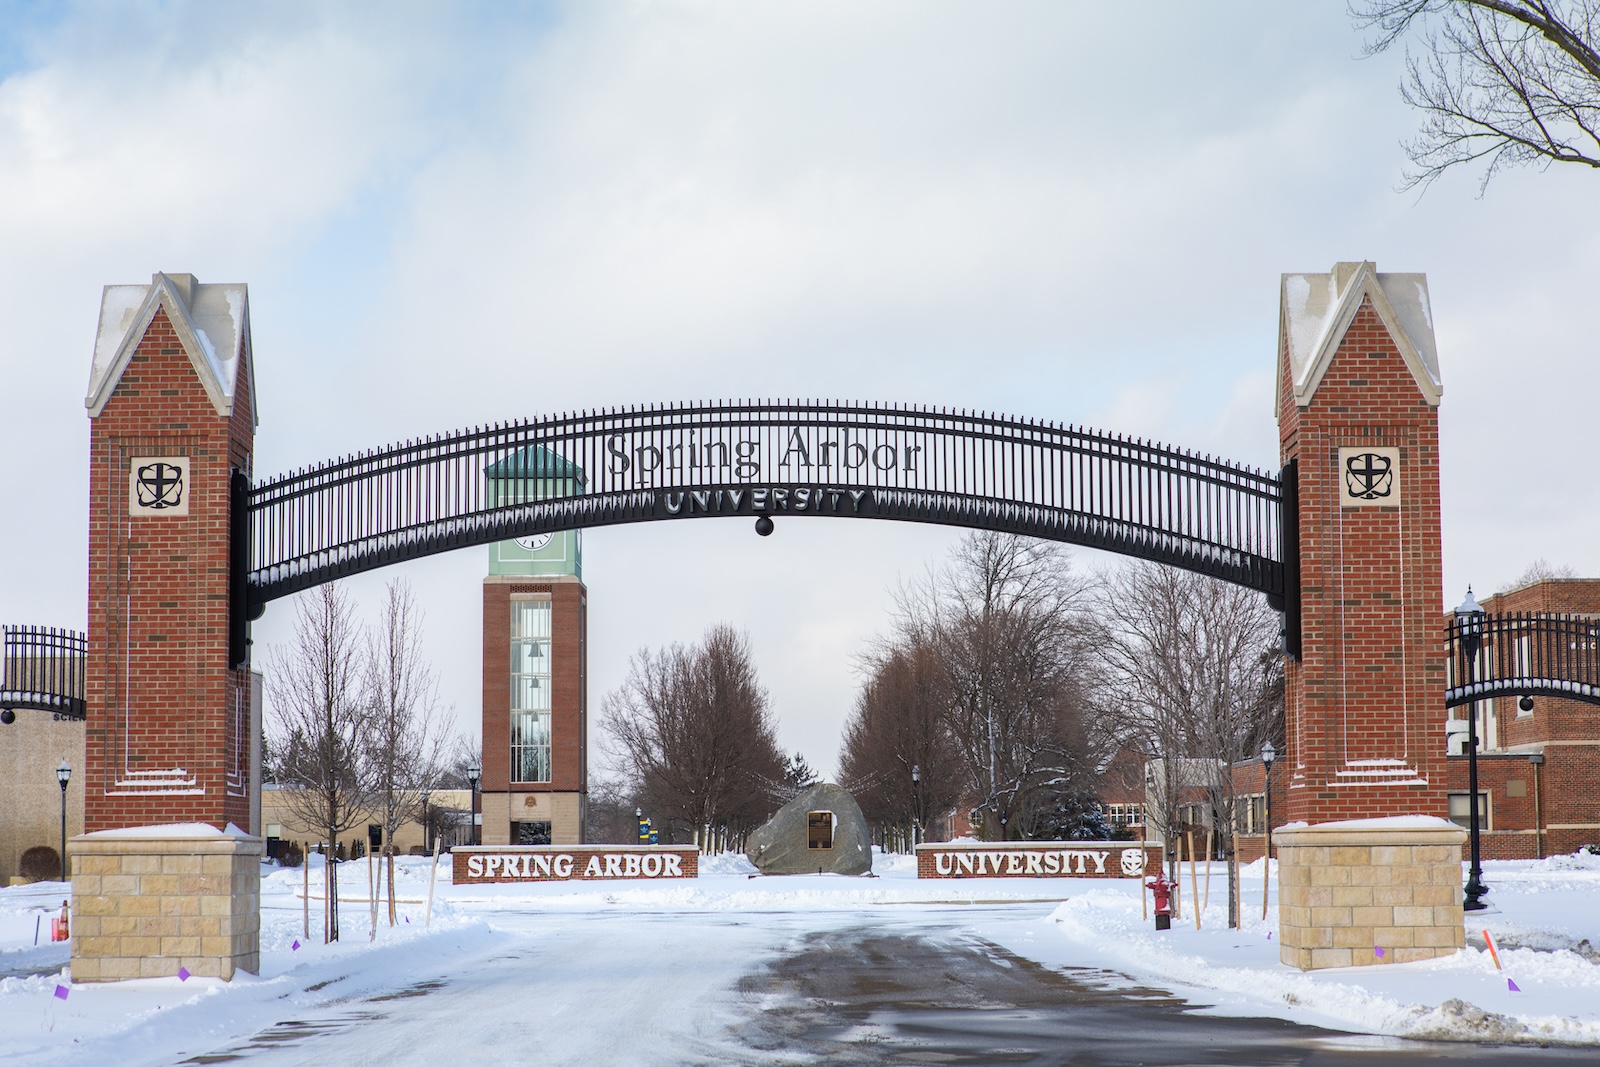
(1372, 891)
(150, 900)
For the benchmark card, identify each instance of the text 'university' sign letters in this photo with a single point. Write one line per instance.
(1037, 859)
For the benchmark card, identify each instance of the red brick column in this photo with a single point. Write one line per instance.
(167, 717)
(1358, 397)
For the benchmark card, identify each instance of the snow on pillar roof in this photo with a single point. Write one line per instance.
(212, 323)
(1315, 310)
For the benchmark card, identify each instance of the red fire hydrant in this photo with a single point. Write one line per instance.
(1163, 894)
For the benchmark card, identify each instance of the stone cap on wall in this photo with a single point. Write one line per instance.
(172, 838)
(1395, 830)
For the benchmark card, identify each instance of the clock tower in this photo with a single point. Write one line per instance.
(535, 666)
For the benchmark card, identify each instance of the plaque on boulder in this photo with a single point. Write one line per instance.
(820, 831)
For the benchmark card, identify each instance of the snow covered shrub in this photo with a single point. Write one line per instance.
(40, 863)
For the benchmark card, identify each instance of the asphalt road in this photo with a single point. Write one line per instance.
(855, 997)
(841, 989)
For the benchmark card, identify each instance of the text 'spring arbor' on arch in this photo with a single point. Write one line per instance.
(654, 463)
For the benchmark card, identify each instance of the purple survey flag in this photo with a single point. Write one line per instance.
(1378, 952)
(61, 992)
(1511, 985)
(183, 974)
(296, 946)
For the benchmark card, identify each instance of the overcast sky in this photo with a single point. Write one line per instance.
(450, 214)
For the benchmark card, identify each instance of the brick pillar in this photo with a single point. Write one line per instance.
(1357, 404)
(171, 417)
(560, 801)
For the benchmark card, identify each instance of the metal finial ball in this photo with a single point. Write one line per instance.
(764, 526)
(8, 716)
(1526, 703)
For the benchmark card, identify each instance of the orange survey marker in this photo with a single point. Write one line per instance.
(1492, 953)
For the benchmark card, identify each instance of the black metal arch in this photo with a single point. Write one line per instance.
(1521, 654)
(42, 668)
(699, 460)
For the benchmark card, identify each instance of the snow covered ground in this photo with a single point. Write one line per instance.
(645, 972)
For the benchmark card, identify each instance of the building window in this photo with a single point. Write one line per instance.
(1461, 814)
(1121, 815)
(1250, 814)
(530, 689)
(533, 833)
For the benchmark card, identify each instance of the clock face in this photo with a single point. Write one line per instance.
(536, 542)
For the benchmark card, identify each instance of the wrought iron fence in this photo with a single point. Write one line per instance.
(1523, 654)
(43, 669)
(624, 465)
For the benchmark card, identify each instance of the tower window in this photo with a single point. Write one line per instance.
(530, 689)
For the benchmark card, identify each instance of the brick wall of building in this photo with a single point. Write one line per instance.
(1560, 809)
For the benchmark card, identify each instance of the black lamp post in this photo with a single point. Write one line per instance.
(1268, 754)
(427, 824)
(916, 816)
(474, 773)
(64, 775)
(1469, 623)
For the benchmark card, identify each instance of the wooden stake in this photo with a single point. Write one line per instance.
(372, 898)
(1144, 901)
(305, 917)
(1266, 871)
(1194, 882)
(433, 874)
(390, 865)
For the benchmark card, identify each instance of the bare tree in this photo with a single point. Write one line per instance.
(1539, 570)
(897, 757)
(405, 735)
(1003, 620)
(1505, 82)
(1193, 662)
(319, 718)
(691, 727)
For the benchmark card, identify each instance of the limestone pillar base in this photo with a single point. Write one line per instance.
(149, 900)
(1372, 891)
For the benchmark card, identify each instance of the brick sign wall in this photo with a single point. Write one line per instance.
(484, 864)
(1037, 859)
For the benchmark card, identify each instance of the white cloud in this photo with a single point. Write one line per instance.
(450, 217)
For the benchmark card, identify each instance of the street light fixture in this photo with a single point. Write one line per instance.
(1469, 626)
(64, 775)
(474, 773)
(1268, 754)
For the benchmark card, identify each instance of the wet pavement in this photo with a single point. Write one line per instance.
(857, 997)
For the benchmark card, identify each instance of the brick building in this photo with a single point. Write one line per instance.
(535, 667)
(1538, 766)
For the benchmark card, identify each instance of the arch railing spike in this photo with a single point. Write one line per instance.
(1013, 472)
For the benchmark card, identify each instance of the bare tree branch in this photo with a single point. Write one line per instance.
(690, 726)
(405, 737)
(319, 718)
(1505, 82)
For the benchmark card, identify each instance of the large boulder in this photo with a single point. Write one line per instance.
(820, 831)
